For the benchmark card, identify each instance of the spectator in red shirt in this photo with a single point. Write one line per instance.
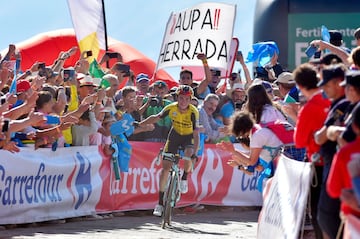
(310, 119)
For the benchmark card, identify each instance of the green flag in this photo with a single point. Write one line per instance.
(96, 72)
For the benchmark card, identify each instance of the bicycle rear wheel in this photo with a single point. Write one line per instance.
(169, 201)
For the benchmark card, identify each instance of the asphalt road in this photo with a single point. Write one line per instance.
(207, 223)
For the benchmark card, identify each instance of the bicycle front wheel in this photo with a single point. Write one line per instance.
(169, 201)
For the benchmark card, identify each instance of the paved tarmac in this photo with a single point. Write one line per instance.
(208, 223)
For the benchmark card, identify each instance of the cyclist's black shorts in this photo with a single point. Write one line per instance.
(176, 141)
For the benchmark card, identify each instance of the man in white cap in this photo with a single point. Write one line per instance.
(290, 96)
(86, 85)
(285, 82)
(143, 83)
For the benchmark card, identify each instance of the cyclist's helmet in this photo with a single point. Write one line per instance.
(185, 90)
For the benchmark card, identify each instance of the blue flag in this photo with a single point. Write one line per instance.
(120, 143)
(325, 35)
(262, 52)
(123, 126)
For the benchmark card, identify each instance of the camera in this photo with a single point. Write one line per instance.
(89, 53)
(68, 74)
(155, 101)
(112, 54)
(238, 105)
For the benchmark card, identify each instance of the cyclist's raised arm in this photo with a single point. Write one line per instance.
(152, 119)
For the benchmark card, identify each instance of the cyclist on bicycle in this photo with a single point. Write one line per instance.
(183, 134)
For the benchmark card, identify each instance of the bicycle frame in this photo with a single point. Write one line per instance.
(172, 193)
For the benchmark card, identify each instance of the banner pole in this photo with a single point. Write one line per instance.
(105, 31)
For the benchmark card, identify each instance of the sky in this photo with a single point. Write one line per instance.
(138, 23)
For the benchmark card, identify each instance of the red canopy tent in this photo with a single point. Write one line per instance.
(45, 47)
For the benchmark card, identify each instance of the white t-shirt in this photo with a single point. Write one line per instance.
(271, 114)
(265, 137)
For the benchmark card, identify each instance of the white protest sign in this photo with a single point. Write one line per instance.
(284, 204)
(198, 71)
(205, 28)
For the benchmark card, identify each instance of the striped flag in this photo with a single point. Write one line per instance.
(13, 87)
(88, 21)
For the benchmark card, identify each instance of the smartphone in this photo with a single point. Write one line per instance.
(68, 74)
(3, 100)
(41, 66)
(310, 51)
(88, 53)
(5, 127)
(112, 54)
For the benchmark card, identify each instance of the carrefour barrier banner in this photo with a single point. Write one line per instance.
(285, 200)
(43, 185)
(206, 28)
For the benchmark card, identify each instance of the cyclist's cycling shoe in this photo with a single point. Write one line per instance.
(158, 210)
(184, 186)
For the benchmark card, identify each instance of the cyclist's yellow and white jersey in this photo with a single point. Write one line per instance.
(182, 123)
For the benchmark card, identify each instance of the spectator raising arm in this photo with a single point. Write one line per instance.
(204, 83)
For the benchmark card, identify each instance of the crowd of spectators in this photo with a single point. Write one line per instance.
(53, 107)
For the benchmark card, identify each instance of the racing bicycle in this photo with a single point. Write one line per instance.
(172, 193)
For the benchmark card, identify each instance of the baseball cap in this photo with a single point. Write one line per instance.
(267, 85)
(80, 76)
(22, 86)
(142, 77)
(351, 78)
(87, 81)
(160, 84)
(237, 87)
(331, 72)
(285, 78)
(215, 71)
